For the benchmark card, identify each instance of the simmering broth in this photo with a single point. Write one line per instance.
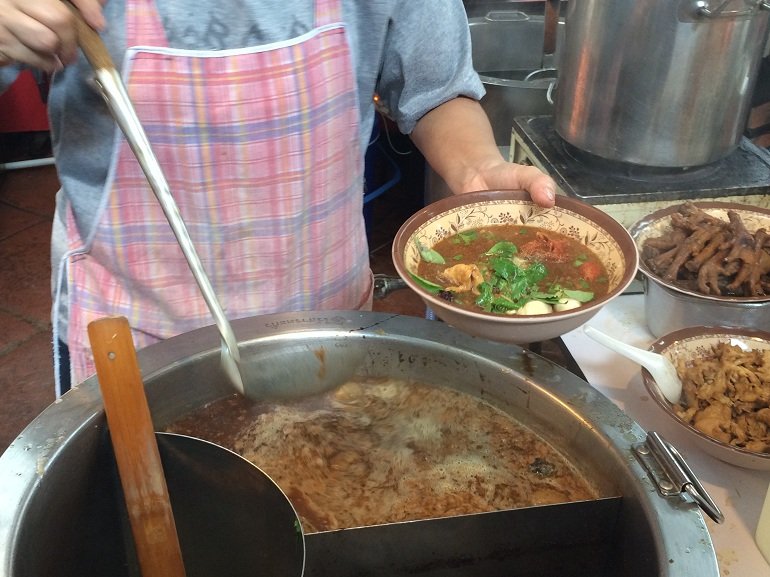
(385, 450)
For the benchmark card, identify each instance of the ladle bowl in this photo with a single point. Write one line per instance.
(183, 494)
(231, 517)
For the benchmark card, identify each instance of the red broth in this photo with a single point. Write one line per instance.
(568, 265)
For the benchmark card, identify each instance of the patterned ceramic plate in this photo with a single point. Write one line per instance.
(697, 342)
(658, 224)
(576, 219)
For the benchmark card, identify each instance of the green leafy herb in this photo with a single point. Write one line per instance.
(580, 259)
(431, 287)
(465, 237)
(510, 286)
(430, 255)
(580, 296)
(503, 248)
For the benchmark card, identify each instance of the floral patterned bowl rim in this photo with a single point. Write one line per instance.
(696, 342)
(658, 223)
(603, 234)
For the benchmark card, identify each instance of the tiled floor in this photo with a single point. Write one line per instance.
(26, 210)
(26, 369)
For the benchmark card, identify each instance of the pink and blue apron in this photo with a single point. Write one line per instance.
(260, 147)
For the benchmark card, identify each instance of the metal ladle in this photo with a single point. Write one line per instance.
(119, 103)
(662, 370)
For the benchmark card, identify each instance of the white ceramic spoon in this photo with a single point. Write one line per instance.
(661, 369)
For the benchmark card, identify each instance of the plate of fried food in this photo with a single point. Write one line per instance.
(725, 403)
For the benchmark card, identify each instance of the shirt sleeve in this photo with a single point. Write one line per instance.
(427, 60)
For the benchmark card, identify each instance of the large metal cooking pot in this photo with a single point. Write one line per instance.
(507, 48)
(663, 83)
(668, 310)
(57, 518)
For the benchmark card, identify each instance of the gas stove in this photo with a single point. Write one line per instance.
(629, 192)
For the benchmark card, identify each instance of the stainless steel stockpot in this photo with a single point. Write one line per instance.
(508, 55)
(668, 310)
(57, 519)
(664, 83)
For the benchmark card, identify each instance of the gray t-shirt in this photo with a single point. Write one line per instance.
(415, 54)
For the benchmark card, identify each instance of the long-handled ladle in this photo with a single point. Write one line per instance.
(122, 109)
(662, 370)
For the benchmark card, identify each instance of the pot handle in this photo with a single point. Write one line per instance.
(702, 8)
(506, 16)
(672, 475)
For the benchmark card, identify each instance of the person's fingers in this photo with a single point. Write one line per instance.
(42, 34)
(92, 12)
(20, 53)
(502, 175)
(507, 175)
(540, 186)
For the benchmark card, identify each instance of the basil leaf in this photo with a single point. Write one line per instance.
(430, 255)
(580, 296)
(504, 268)
(486, 296)
(468, 236)
(503, 248)
(535, 272)
(551, 298)
(426, 284)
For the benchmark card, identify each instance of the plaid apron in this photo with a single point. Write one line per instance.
(260, 148)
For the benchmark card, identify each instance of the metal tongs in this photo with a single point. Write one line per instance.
(117, 99)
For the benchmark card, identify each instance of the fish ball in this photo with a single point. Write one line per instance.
(566, 305)
(535, 308)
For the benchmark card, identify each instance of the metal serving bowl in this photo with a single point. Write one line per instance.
(692, 343)
(581, 221)
(670, 307)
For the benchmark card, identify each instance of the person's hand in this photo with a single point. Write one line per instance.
(502, 175)
(41, 33)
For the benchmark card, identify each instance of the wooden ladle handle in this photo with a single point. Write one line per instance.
(136, 449)
(91, 43)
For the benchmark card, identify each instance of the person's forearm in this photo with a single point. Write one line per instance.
(457, 141)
